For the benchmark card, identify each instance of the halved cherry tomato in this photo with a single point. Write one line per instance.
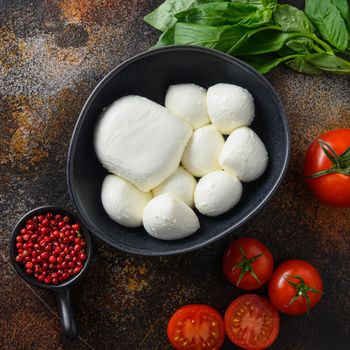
(327, 168)
(247, 263)
(252, 322)
(196, 327)
(295, 287)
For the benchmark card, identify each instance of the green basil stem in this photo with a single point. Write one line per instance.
(314, 37)
(318, 49)
(328, 49)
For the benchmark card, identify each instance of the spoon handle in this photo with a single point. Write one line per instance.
(66, 313)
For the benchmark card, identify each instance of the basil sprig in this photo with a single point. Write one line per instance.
(261, 32)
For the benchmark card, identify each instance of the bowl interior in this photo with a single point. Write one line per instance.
(149, 75)
(20, 268)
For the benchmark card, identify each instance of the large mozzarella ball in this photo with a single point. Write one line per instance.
(244, 155)
(181, 184)
(201, 154)
(123, 202)
(188, 101)
(168, 217)
(217, 192)
(140, 141)
(230, 107)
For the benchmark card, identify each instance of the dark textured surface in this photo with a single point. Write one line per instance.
(52, 54)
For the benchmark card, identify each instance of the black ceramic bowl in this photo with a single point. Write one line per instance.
(149, 74)
(62, 290)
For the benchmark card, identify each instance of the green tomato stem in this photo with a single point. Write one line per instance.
(302, 290)
(246, 266)
(340, 164)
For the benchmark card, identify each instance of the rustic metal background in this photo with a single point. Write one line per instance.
(52, 54)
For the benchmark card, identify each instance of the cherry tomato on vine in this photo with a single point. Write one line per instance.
(247, 263)
(295, 287)
(252, 322)
(327, 168)
(196, 327)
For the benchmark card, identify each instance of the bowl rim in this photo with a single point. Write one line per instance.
(73, 143)
(30, 279)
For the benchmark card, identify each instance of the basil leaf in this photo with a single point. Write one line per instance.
(226, 38)
(291, 19)
(264, 42)
(225, 13)
(162, 18)
(297, 62)
(247, 36)
(301, 65)
(257, 19)
(313, 64)
(270, 3)
(295, 46)
(264, 63)
(330, 63)
(343, 8)
(220, 38)
(258, 3)
(167, 38)
(301, 45)
(328, 21)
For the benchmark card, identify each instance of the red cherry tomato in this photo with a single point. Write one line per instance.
(295, 287)
(252, 322)
(247, 263)
(196, 327)
(327, 168)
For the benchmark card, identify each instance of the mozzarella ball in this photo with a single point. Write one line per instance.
(230, 107)
(181, 184)
(201, 154)
(168, 217)
(188, 101)
(140, 141)
(123, 202)
(217, 192)
(244, 155)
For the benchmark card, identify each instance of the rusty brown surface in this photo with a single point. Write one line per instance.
(52, 54)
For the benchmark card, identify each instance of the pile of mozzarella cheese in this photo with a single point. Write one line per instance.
(142, 144)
